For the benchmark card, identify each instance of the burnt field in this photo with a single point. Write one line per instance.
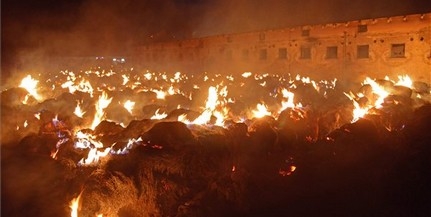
(131, 143)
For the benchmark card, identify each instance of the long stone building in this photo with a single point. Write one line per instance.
(349, 50)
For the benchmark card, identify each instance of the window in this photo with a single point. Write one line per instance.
(331, 52)
(362, 51)
(282, 53)
(305, 32)
(245, 54)
(229, 54)
(262, 54)
(362, 28)
(262, 36)
(398, 50)
(305, 53)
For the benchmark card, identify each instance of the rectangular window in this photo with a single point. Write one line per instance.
(282, 53)
(262, 36)
(263, 54)
(363, 51)
(362, 28)
(398, 50)
(229, 54)
(305, 53)
(305, 32)
(332, 52)
(245, 54)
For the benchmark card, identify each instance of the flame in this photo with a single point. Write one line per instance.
(261, 111)
(211, 108)
(289, 103)
(101, 104)
(129, 105)
(182, 118)
(74, 205)
(88, 141)
(358, 111)
(30, 85)
(93, 156)
(78, 111)
(160, 93)
(405, 80)
(246, 74)
(37, 116)
(158, 116)
(125, 79)
(378, 90)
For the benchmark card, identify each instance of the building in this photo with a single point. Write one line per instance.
(350, 50)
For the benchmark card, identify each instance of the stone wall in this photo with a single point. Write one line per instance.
(351, 50)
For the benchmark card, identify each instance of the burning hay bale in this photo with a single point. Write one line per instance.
(164, 147)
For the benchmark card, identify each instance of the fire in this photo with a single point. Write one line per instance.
(210, 106)
(261, 111)
(358, 111)
(378, 90)
(101, 105)
(78, 111)
(30, 85)
(94, 156)
(160, 93)
(158, 116)
(74, 206)
(129, 105)
(404, 80)
(88, 141)
(289, 103)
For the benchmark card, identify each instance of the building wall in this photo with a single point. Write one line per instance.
(351, 50)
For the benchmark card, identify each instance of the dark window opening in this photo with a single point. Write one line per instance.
(331, 52)
(363, 51)
(263, 54)
(305, 32)
(362, 28)
(305, 53)
(282, 53)
(398, 50)
(245, 54)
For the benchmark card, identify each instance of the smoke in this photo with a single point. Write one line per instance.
(34, 30)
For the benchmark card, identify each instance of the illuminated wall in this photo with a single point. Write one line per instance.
(351, 50)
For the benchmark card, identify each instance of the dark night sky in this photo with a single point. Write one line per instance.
(106, 27)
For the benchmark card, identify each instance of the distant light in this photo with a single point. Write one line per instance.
(115, 59)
